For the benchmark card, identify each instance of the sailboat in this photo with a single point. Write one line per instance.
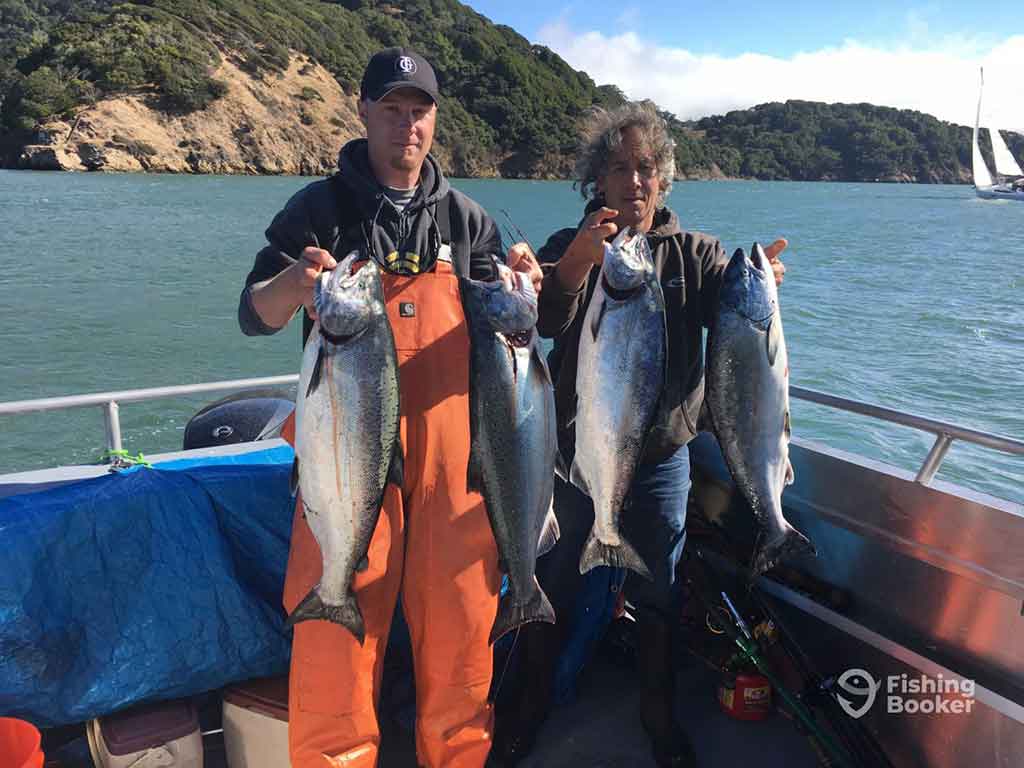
(1009, 175)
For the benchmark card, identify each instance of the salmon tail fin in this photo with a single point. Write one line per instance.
(789, 544)
(513, 614)
(347, 614)
(621, 555)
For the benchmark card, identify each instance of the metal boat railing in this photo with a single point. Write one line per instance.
(945, 433)
(109, 401)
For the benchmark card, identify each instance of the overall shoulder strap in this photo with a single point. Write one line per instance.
(349, 221)
(449, 222)
(444, 217)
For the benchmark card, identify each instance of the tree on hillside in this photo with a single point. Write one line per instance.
(507, 104)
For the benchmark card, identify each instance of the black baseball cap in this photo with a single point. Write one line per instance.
(397, 68)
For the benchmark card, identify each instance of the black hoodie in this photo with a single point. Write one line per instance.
(350, 210)
(690, 267)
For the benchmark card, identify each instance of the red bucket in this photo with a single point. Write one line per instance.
(19, 744)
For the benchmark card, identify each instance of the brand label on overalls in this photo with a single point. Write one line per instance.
(406, 309)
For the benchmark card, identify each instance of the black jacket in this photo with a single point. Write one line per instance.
(350, 211)
(689, 266)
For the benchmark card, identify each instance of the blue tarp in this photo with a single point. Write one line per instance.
(162, 583)
(148, 584)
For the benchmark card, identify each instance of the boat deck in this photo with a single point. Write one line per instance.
(601, 727)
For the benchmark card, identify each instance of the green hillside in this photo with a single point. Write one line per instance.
(509, 106)
(505, 99)
(803, 140)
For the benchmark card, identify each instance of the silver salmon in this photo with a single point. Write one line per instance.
(514, 445)
(748, 399)
(620, 377)
(347, 445)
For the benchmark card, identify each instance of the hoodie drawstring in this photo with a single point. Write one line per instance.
(371, 251)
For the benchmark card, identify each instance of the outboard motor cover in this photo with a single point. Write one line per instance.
(255, 414)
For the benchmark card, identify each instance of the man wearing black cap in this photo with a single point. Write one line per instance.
(390, 203)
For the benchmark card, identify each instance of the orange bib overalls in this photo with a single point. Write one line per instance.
(433, 541)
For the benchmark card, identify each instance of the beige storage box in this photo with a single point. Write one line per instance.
(163, 735)
(255, 721)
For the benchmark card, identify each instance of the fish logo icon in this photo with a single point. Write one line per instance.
(857, 682)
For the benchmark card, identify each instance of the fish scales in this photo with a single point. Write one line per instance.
(513, 440)
(347, 434)
(620, 378)
(748, 400)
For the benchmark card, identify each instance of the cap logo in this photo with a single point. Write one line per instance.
(406, 65)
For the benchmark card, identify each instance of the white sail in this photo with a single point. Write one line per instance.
(982, 178)
(1005, 164)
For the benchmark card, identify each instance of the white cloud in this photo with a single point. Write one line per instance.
(941, 79)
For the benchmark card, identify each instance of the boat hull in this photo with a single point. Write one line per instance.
(931, 581)
(996, 193)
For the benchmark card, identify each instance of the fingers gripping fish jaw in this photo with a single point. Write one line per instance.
(748, 287)
(509, 303)
(347, 302)
(627, 261)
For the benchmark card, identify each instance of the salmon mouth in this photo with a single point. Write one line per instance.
(519, 339)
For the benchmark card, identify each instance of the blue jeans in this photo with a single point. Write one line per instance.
(654, 523)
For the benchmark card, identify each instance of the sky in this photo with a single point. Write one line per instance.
(702, 58)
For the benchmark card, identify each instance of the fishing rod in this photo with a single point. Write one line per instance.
(741, 635)
(819, 691)
(521, 235)
(853, 733)
(509, 235)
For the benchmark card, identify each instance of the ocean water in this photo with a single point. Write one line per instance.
(906, 296)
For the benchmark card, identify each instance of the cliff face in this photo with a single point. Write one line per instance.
(288, 123)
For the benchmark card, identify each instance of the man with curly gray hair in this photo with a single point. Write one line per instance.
(603, 136)
(625, 168)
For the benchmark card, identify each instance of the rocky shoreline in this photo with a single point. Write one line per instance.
(288, 123)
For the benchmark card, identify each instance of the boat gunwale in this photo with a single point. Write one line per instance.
(945, 432)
